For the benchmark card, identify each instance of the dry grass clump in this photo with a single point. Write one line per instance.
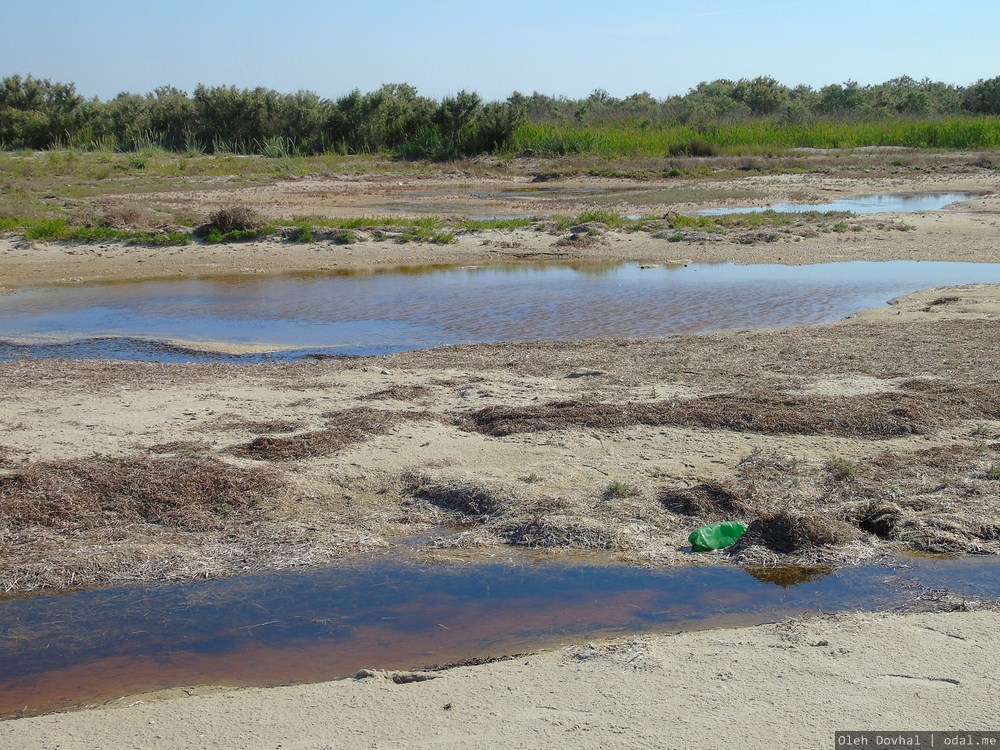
(236, 219)
(345, 428)
(181, 447)
(187, 493)
(235, 422)
(938, 499)
(793, 532)
(878, 415)
(398, 393)
(557, 532)
(880, 518)
(762, 466)
(121, 217)
(460, 496)
(294, 447)
(707, 500)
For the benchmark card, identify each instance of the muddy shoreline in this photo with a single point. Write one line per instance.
(965, 231)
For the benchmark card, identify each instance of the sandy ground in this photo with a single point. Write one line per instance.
(788, 685)
(966, 231)
(925, 366)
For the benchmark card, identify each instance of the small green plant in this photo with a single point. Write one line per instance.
(617, 490)
(302, 234)
(531, 478)
(345, 237)
(45, 230)
(841, 468)
(993, 472)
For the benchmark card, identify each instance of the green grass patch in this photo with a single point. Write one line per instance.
(59, 230)
(765, 137)
(345, 237)
(216, 236)
(479, 225)
(302, 233)
(596, 216)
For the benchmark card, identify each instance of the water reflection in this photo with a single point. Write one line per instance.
(58, 650)
(371, 313)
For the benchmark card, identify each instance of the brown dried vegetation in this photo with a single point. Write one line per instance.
(789, 532)
(185, 493)
(399, 393)
(708, 500)
(345, 428)
(918, 410)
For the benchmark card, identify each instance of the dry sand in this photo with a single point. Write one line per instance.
(353, 493)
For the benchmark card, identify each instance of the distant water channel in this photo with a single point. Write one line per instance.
(864, 204)
(366, 313)
(306, 626)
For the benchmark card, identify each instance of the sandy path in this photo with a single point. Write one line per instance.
(788, 685)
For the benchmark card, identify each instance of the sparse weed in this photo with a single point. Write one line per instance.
(345, 237)
(617, 490)
(841, 468)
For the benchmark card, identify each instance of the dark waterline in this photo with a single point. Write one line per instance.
(64, 649)
(360, 314)
(865, 204)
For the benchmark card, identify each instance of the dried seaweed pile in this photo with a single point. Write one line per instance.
(918, 409)
(192, 493)
(344, 428)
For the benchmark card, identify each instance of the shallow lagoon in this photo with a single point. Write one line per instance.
(367, 313)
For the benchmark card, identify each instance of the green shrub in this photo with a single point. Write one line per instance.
(302, 234)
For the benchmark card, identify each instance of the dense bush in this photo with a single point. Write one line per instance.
(712, 117)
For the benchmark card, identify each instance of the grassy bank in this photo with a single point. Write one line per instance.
(640, 138)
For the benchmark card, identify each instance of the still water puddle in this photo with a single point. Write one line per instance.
(373, 313)
(66, 649)
(865, 204)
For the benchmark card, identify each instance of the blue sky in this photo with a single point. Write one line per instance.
(494, 48)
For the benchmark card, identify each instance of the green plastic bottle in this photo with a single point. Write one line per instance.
(716, 535)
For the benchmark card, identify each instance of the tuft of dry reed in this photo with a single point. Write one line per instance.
(791, 532)
(467, 497)
(708, 499)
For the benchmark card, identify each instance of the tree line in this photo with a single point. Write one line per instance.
(37, 113)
